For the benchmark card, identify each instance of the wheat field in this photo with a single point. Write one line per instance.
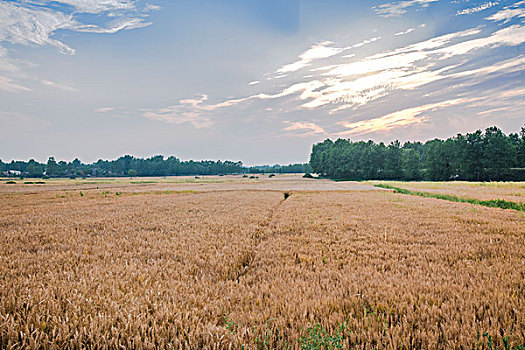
(229, 263)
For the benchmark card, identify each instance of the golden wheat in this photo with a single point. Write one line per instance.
(161, 266)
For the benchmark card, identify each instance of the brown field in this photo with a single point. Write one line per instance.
(226, 262)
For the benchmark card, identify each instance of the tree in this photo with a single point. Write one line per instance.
(393, 162)
(52, 167)
(520, 150)
(499, 154)
(319, 158)
(473, 160)
(34, 169)
(411, 164)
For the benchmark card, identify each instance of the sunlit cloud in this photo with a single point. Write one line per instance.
(344, 82)
(402, 118)
(318, 51)
(509, 36)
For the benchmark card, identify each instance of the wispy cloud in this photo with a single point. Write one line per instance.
(187, 111)
(304, 128)
(395, 9)
(59, 86)
(7, 84)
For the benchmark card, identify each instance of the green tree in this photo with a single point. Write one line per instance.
(411, 164)
(51, 167)
(499, 154)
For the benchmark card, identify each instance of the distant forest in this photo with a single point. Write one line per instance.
(131, 166)
(478, 156)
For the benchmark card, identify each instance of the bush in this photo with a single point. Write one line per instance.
(308, 176)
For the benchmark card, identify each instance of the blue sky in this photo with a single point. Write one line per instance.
(252, 80)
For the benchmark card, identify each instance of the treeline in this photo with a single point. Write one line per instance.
(123, 166)
(132, 166)
(477, 156)
(281, 169)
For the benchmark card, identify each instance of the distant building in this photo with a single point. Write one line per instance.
(14, 173)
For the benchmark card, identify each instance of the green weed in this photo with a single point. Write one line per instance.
(492, 203)
(318, 338)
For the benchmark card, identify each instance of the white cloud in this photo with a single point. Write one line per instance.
(32, 23)
(364, 42)
(396, 9)
(151, 7)
(479, 8)
(409, 30)
(114, 27)
(254, 82)
(93, 6)
(507, 14)
(20, 25)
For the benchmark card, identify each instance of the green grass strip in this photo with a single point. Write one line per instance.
(492, 203)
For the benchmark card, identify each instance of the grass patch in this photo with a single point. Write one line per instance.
(492, 203)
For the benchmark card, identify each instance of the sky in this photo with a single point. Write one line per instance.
(258, 81)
